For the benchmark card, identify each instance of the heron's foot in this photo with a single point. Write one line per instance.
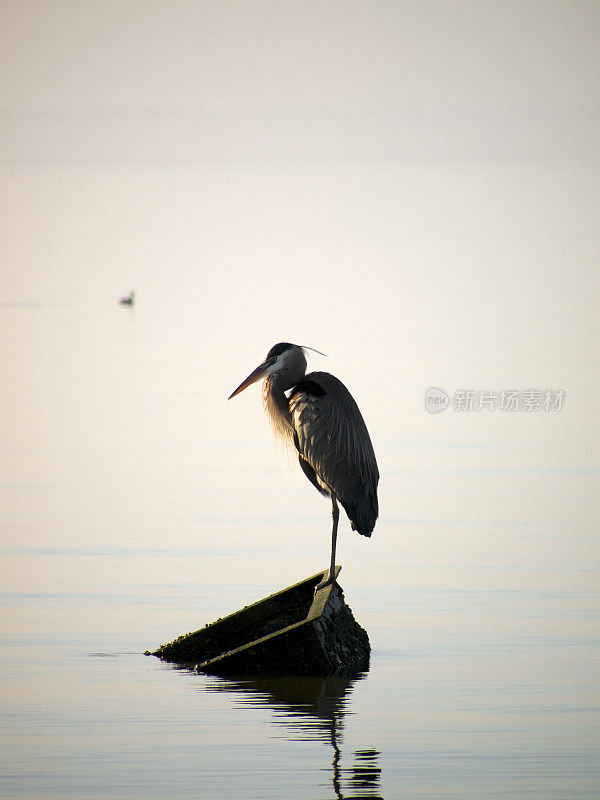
(328, 580)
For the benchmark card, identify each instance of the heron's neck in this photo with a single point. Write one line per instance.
(277, 407)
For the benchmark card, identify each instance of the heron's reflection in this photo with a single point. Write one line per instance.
(313, 708)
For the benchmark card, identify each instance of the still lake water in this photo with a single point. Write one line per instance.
(136, 505)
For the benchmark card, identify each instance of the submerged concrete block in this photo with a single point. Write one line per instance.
(296, 631)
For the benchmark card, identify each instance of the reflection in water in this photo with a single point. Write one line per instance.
(313, 708)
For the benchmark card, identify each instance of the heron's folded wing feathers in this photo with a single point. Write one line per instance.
(332, 437)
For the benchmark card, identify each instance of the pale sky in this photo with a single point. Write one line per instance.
(149, 81)
(420, 175)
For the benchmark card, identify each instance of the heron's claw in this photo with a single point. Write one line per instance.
(328, 581)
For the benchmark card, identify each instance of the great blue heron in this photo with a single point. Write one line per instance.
(321, 418)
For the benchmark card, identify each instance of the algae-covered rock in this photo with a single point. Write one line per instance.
(296, 631)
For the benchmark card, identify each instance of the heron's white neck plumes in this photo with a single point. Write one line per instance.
(276, 406)
(288, 369)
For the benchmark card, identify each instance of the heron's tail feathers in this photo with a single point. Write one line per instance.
(362, 514)
(362, 532)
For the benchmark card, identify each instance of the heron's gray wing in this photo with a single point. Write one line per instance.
(332, 438)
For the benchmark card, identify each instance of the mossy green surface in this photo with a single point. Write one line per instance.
(296, 631)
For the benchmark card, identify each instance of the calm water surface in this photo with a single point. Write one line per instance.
(137, 505)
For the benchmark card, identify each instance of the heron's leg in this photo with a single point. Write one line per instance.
(335, 515)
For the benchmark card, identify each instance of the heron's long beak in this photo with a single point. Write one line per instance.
(254, 376)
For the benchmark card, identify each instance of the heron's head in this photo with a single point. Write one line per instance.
(284, 360)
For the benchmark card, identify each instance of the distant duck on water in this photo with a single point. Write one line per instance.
(128, 300)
